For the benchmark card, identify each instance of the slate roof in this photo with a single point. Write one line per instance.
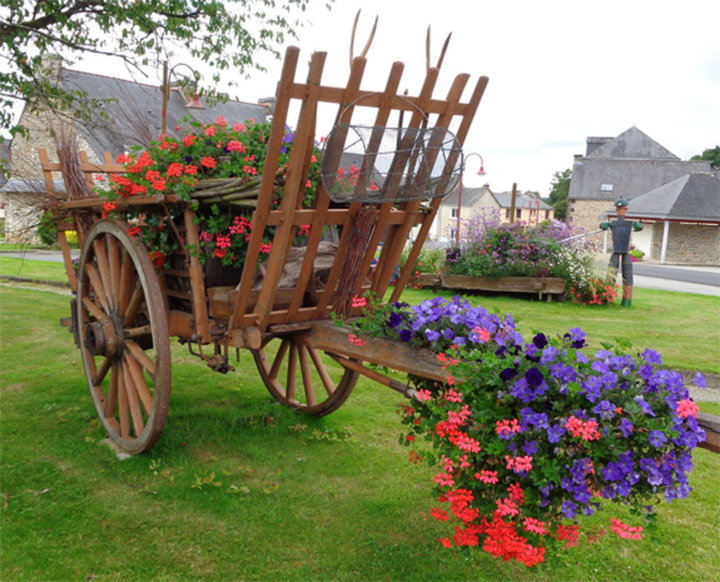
(626, 166)
(470, 196)
(692, 197)
(631, 144)
(504, 199)
(134, 111)
(30, 186)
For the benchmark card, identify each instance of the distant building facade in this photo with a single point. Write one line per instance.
(634, 166)
(529, 209)
(126, 113)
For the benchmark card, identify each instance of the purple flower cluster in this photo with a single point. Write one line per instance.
(603, 425)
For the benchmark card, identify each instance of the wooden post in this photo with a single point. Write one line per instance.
(512, 203)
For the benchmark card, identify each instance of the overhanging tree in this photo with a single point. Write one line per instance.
(222, 34)
(559, 190)
(710, 154)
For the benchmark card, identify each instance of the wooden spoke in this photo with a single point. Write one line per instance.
(111, 400)
(279, 359)
(123, 412)
(104, 269)
(99, 376)
(291, 369)
(98, 287)
(141, 357)
(114, 261)
(127, 280)
(137, 332)
(306, 375)
(141, 387)
(135, 304)
(123, 335)
(294, 361)
(132, 398)
(322, 371)
(92, 308)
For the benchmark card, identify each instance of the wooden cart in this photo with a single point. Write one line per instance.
(124, 310)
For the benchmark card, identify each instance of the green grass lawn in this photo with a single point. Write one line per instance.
(37, 270)
(239, 488)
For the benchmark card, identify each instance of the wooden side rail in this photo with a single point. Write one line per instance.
(711, 425)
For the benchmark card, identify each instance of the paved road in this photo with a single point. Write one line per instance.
(698, 275)
(702, 280)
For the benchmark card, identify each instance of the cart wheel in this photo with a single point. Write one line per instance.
(123, 333)
(287, 358)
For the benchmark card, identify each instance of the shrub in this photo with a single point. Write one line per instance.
(46, 230)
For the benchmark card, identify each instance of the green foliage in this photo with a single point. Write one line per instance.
(221, 35)
(559, 190)
(47, 231)
(712, 155)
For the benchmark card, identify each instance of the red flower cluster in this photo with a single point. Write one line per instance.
(594, 292)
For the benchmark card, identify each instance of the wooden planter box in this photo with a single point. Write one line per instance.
(548, 286)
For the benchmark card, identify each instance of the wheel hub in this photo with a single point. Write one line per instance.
(104, 338)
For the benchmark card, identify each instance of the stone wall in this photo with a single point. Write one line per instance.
(691, 244)
(24, 209)
(586, 213)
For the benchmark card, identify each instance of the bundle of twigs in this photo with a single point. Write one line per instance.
(362, 228)
(234, 191)
(68, 152)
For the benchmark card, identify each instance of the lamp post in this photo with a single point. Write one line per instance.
(481, 172)
(194, 103)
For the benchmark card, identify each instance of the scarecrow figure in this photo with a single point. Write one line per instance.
(621, 259)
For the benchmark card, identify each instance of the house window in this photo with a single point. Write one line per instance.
(547, 214)
(518, 214)
(507, 213)
(606, 187)
(453, 212)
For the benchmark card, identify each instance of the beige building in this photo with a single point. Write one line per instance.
(529, 209)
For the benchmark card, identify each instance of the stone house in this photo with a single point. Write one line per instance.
(125, 113)
(529, 209)
(630, 166)
(683, 217)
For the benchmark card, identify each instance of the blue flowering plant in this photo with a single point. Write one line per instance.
(529, 436)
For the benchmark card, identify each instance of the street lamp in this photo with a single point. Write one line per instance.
(194, 103)
(481, 172)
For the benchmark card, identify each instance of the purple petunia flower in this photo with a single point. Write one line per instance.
(645, 406)
(534, 377)
(657, 438)
(555, 433)
(569, 509)
(626, 427)
(540, 341)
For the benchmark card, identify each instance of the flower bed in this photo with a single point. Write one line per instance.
(550, 249)
(529, 436)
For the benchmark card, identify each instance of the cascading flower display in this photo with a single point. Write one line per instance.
(531, 435)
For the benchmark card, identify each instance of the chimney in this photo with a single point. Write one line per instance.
(51, 67)
(593, 143)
